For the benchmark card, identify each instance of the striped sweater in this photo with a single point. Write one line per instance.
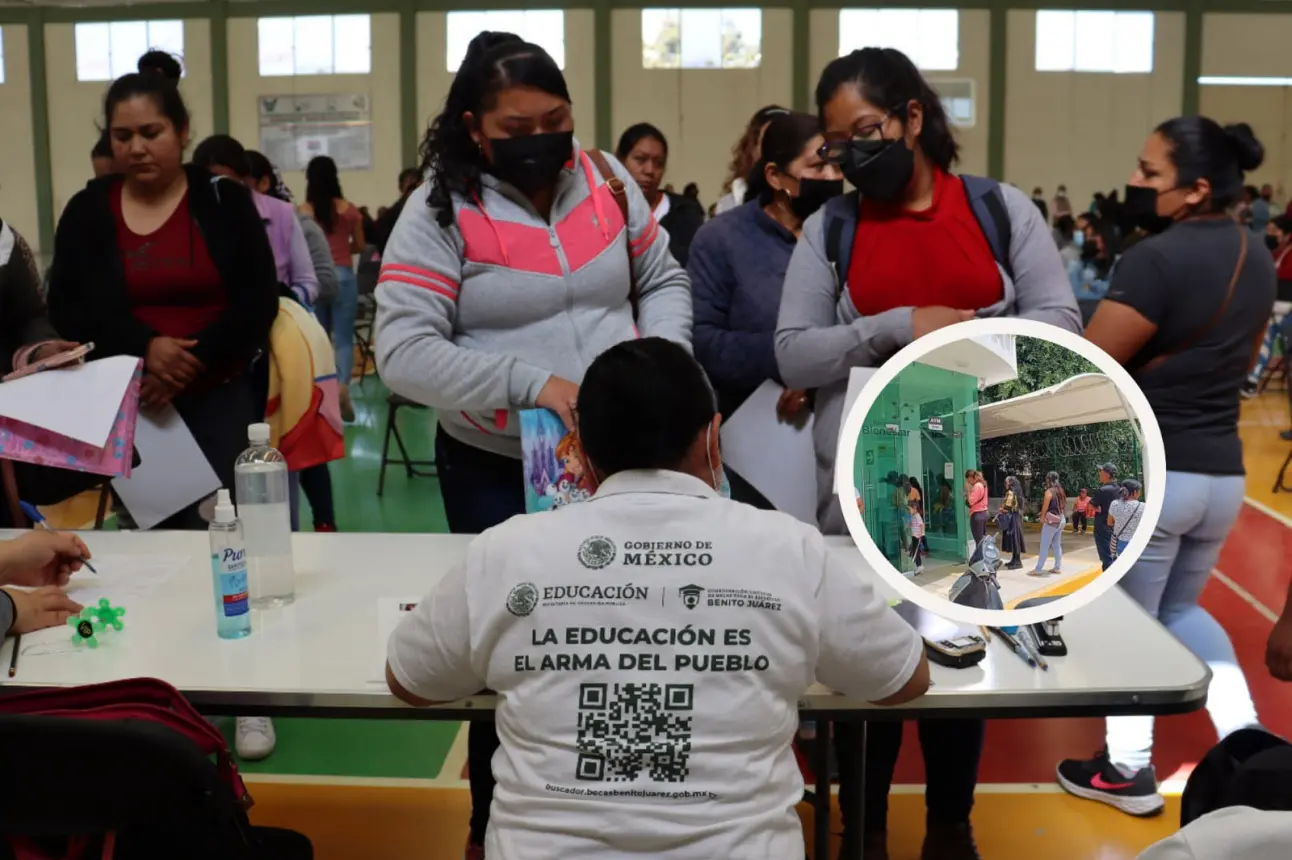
(474, 319)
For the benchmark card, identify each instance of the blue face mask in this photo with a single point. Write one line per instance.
(1079, 238)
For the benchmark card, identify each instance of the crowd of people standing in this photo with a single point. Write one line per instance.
(493, 297)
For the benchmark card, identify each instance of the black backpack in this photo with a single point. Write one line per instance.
(1251, 767)
(985, 199)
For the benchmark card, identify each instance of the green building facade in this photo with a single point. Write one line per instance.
(924, 425)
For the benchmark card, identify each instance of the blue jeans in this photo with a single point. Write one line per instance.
(1051, 539)
(336, 315)
(1166, 580)
(1103, 541)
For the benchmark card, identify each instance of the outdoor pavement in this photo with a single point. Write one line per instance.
(1080, 559)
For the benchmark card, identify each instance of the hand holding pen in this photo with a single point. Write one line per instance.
(42, 557)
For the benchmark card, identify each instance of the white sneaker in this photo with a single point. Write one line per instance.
(255, 738)
(919, 569)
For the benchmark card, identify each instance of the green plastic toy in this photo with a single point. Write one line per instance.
(94, 620)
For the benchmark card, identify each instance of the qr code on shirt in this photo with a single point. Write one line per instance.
(625, 729)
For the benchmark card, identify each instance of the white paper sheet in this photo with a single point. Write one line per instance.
(857, 380)
(122, 579)
(172, 473)
(390, 611)
(80, 403)
(776, 458)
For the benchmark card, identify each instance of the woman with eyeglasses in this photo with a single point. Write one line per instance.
(916, 248)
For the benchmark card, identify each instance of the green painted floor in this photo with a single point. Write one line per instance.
(370, 748)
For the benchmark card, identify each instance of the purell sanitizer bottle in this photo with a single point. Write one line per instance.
(229, 572)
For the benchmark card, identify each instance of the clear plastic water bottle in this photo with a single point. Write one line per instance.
(260, 475)
(229, 571)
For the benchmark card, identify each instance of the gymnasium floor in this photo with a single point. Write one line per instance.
(396, 789)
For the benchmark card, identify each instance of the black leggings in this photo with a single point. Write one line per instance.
(916, 544)
(480, 490)
(1079, 521)
(978, 526)
(952, 749)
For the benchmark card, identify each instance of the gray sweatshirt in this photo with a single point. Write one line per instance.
(473, 320)
(820, 336)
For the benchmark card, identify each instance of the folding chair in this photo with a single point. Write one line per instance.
(130, 790)
(364, 319)
(411, 467)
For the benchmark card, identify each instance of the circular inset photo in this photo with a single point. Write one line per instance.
(1000, 472)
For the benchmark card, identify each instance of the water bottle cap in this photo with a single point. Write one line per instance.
(224, 512)
(258, 434)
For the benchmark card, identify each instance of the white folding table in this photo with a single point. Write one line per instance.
(315, 658)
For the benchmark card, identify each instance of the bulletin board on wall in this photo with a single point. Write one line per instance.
(297, 128)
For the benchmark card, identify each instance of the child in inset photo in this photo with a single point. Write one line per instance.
(916, 509)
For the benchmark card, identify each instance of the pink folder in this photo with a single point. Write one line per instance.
(28, 444)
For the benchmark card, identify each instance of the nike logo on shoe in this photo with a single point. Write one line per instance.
(1099, 783)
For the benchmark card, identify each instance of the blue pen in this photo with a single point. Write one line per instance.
(36, 517)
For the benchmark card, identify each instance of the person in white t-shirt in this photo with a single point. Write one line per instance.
(1124, 515)
(1231, 833)
(649, 646)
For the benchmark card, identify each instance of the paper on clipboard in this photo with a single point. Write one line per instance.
(172, 474)
(778, 459)
(79, 403)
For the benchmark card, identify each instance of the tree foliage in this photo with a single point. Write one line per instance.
(1074, 452)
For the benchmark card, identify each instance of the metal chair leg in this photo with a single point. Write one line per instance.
(385, 448)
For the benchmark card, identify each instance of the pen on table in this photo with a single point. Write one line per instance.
(986, 634)
(1026, 639)
(36, 517)
(13, 658)
(1015, 647)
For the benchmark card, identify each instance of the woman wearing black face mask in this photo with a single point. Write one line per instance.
(644, 151)
(917, 249)
(738, 264)
(510, 269)
(1185, 313)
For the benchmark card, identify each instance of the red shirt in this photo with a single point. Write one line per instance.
(171, 282)
(902, 258)
(1283, 261)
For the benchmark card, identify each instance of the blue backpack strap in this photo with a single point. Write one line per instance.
(840, 226)
(988, 205)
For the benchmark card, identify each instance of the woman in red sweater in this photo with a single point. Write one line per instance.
(916, 249)
(171, 264)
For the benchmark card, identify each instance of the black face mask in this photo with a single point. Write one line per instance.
(1140, 210)
(531, 163)
(1272, 242)
(813, 194)
(879, 169)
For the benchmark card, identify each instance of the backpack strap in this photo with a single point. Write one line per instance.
(620, 192)
(988, 204)
(840, 222)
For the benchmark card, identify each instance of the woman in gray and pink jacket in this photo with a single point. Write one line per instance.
(509, 271)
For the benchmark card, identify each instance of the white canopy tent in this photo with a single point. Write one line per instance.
(1088, 398)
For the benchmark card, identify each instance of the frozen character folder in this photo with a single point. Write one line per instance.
(553, 465)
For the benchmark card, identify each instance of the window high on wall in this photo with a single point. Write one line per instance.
(315, 45)
(702, 38)
(543, 27)
(105, 52)
(930, 37)
(1110, 42)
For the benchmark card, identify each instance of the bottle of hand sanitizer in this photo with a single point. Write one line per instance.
(229, 571)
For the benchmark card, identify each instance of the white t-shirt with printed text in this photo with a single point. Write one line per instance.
(649, 648)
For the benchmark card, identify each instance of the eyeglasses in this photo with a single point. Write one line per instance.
(833, 151)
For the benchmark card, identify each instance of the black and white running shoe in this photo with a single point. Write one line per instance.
(1099, 779)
